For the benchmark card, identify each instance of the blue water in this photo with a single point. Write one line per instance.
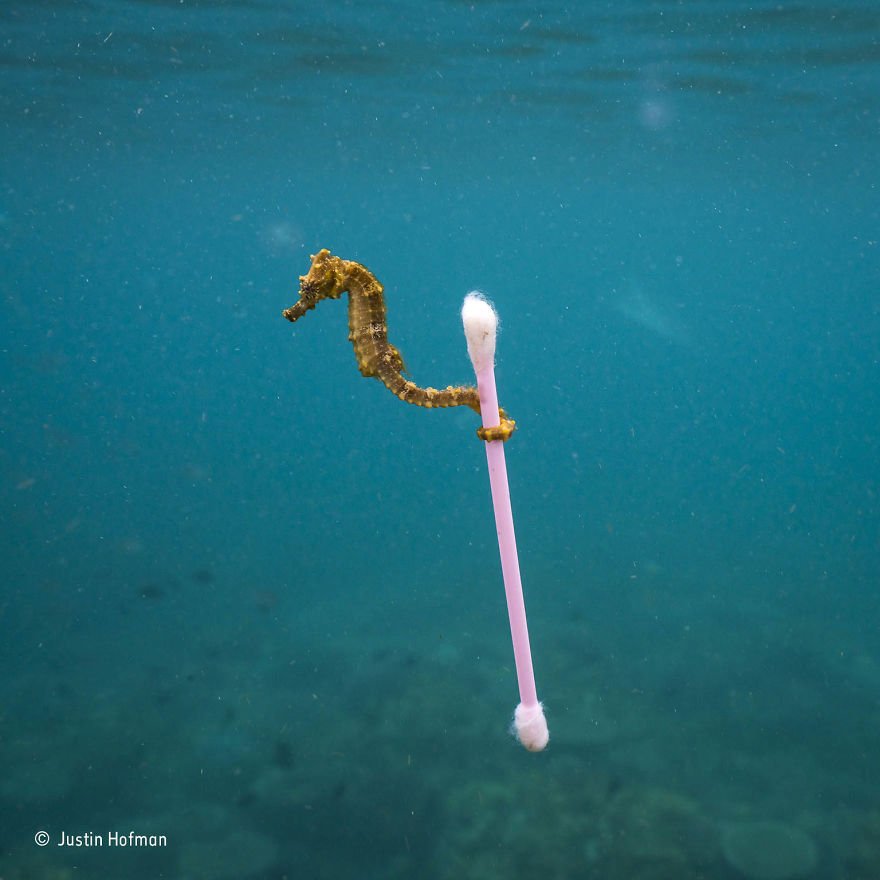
(252, 603)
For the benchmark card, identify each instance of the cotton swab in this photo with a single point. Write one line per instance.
(481, 328)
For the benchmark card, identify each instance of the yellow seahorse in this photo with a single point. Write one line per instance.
(328, 278)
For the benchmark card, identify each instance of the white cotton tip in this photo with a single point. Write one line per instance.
(530, 727)
(480, 328)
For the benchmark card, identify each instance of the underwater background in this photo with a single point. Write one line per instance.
(252, 603)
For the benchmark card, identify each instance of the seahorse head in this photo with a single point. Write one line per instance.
(325, 278)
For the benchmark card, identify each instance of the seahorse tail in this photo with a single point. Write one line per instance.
(430, 398)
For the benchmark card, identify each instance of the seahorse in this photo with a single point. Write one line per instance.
(328, 278)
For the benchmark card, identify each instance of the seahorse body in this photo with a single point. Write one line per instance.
(328, 278)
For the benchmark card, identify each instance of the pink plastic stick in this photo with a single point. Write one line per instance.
(529, 722)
